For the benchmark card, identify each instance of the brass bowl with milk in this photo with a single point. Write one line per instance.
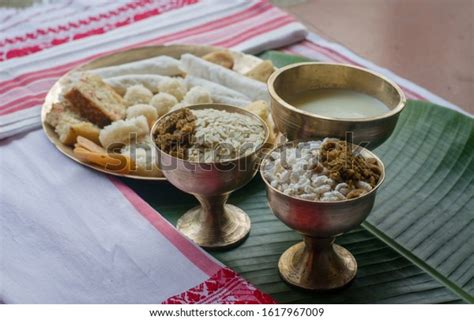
(312, 101)
(318, 100)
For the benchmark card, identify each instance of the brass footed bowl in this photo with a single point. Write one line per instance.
(298, 124)
(214, 224)
(317, 263)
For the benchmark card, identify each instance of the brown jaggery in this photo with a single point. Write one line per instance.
(345, 166)
(174, 135)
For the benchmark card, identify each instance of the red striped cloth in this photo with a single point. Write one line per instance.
(24, 81)
(67, 21)
(39, 45)
(242, 25)
(71, 235)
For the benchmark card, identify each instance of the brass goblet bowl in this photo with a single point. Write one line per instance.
(298, 124)
(214, 224)
(318, 263)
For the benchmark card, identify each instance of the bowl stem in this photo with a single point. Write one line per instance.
(317, 264)
(215, 224)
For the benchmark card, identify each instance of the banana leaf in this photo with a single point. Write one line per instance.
(417, 244)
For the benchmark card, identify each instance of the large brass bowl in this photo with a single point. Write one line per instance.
(214, 224)
(317, 263)
(298, 124)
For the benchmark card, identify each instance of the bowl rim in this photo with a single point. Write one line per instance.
(200, 106)
(374, 189)
(274, 95)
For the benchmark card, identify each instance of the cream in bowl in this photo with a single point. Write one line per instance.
(314, 100)
(338, 103)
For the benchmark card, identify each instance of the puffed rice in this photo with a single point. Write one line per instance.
(299, 172)
(221, 135)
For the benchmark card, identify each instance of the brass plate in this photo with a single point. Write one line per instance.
(242, 63)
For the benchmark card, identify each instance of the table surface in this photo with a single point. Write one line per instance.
(429, 42)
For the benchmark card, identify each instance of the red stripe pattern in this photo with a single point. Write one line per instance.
(43, 38)
(34, 98)
(224, 287)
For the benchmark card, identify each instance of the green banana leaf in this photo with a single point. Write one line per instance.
(417, 244)
(280, 59)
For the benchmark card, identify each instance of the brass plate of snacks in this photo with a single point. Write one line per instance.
(243, 64)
